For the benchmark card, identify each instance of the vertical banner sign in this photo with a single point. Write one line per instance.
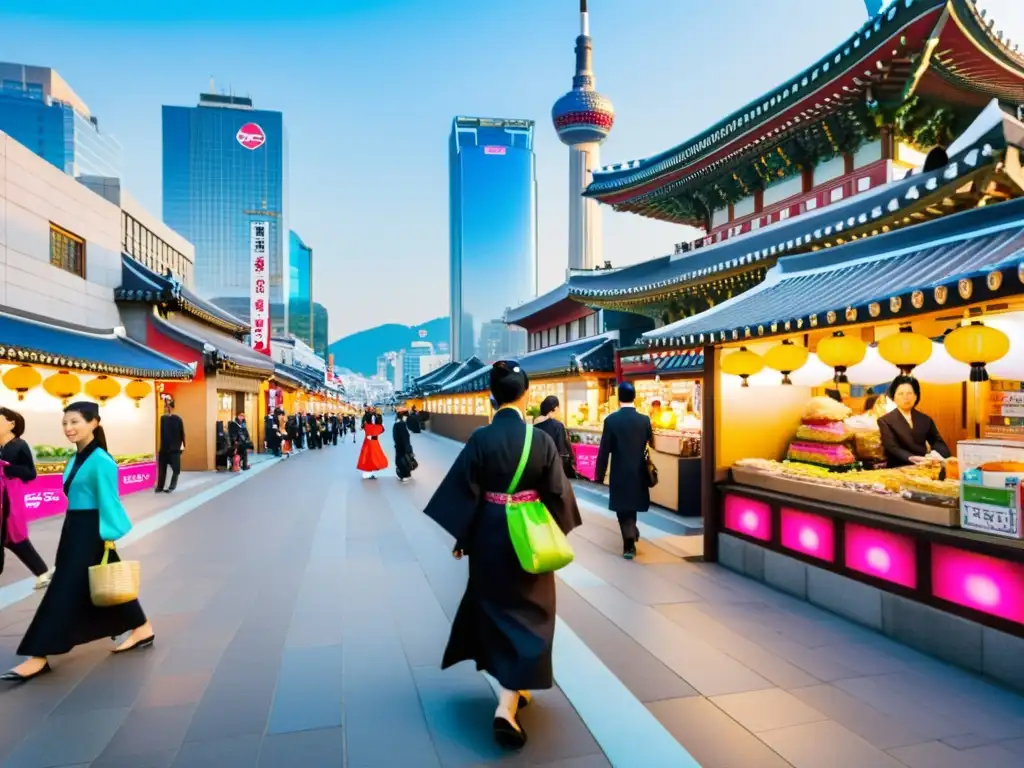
(330, 367)
(259, 291)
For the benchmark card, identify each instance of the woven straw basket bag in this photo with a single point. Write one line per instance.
(113, 583)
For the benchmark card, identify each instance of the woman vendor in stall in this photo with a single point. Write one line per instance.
(909, 436)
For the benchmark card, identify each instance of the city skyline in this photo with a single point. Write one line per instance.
(359, 161)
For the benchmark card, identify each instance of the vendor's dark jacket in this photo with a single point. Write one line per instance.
(900, 442)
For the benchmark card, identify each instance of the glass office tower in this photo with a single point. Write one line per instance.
(225, 164)
(39, 110)
(321, 330)
(493, 233)
(300, 289)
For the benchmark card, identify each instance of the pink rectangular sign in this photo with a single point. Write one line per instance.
(586, 460)
(44, 496)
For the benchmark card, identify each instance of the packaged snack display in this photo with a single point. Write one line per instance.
(834, 455)
(825, 409)
(827, 432)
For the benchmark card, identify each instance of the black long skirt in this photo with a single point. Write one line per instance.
(66, 616)
(506, 620)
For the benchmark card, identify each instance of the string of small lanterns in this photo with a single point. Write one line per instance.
(65, 385)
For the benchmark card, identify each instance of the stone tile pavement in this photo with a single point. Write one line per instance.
(301, 618)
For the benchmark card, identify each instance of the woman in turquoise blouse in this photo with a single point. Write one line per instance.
(66, 616)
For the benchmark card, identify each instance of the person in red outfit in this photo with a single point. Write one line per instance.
(371, 457)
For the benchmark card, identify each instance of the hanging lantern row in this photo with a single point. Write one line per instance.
(973, 343)
(64, 385)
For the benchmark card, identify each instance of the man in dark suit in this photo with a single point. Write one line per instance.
(413, 421)
(626, 436)
(172, 443)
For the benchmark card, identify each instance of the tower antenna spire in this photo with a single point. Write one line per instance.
(584, 19)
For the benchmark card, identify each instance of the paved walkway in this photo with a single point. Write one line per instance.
(302, 613)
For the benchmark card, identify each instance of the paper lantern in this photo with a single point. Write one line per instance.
(63, 385)
(872, 370)
(21, 379)
(977, 345)
(137, 390)
(941, 368)
(742, 363)
(786, 358)
(906, 349)
(841, 352)
(102, 388)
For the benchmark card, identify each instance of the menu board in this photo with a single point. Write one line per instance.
(1005, 411)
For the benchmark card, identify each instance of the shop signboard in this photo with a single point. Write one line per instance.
(259, 290)
(44, 496)
(586, 460)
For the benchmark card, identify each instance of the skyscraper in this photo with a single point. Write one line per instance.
(492, 230)
(321, 329)
(583, 119)
(225, 165)
(39, 110)
(300, 289)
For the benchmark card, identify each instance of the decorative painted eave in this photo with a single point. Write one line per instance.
(947, 264)
(141, 284)
(514, 315)
(988, 151)
(940, 49)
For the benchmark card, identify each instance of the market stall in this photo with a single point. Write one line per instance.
(797, 428)
(45, 364)
(668, 389)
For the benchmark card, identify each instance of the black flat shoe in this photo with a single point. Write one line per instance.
(138, 645)
(11, 676)
(508, 735)
(524, 699)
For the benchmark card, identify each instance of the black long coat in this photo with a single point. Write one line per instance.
(506, 620)
(625, 436)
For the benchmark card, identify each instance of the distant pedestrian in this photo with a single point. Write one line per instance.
(238, 434)
(626, 437)
(506, 620)
(415, 425)
(371, 458)
(172, 443)
(405, 461)
(549, 422)
(95, 519)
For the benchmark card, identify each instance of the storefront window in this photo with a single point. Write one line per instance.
(674, 408)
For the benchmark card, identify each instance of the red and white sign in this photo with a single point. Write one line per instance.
(494, 150)
(423, 333)
(330, 368)
(259, 288)
(251, 136)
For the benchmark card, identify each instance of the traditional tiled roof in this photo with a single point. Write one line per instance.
(139, 283)
(941, 52)
(26, 338)
(977, 255)
(220, 350)
(595, 354)
(685, 361)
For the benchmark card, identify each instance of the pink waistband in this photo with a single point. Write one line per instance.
(504, 498)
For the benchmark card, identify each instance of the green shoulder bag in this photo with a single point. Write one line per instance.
(539, 543)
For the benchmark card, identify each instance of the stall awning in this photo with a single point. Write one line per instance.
(28, 338)
(222, 350)
(592, 355)
(307, 378)
(961, 259)
(139, 283)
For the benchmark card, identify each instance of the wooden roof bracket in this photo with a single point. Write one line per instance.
(926, 55)
(1012, 167)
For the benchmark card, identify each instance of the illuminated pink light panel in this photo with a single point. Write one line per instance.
(986, 584)
(884, 555)
(808, 534)
(749, 517)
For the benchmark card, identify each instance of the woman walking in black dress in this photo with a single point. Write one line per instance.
(506, 620)
(550, 423)
(19, 466)
(66, 617)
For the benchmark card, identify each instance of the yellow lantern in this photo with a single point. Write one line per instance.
(21, 379)
(137, 390)
(840, 352)
(906, 349)
(63, 385)
(977, 345)
(742, 363)
(102, 388)
(786, 358)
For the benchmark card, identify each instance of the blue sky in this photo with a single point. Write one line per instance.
(369, 90)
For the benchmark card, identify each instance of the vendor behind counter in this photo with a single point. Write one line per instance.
(908, 435)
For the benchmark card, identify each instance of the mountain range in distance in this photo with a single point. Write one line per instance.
(359, 351)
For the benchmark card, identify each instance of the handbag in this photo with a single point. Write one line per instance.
(540, 544)
(413, 464)
(652, 471)
(113, 583)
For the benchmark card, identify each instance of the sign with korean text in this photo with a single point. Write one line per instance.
(259, 290)
(330, 367)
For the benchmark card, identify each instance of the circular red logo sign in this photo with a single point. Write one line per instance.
(423, 333)
(251, 136)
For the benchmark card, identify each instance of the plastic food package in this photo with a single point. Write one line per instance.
(828, 432)
(868, 444)
(833, 455)
(825, 409)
